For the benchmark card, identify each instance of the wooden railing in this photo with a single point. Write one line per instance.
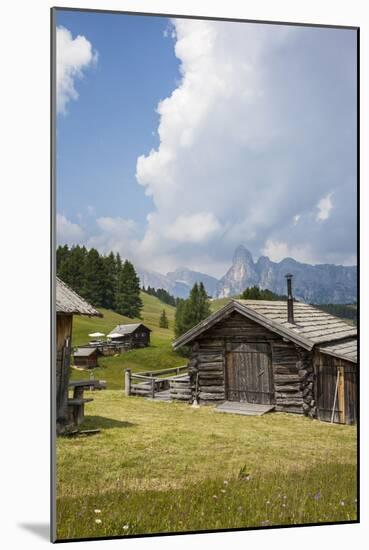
(148, 383)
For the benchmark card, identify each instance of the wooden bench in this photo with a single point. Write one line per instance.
(76, 404)
(76, 410)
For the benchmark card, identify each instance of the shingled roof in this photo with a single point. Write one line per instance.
(312, 326)
(343, 350)
(127, 329)
(84, 352)
(68, 301)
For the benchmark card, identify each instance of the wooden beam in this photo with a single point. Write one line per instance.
(341, 394)
(127, 384)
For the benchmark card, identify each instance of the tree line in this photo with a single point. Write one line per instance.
(103, 280)
(256, 293)
(162, 294)
(345, 311)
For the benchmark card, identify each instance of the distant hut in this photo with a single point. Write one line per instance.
(135, 335)
(85, 358)
(286, 354)
(68, 303)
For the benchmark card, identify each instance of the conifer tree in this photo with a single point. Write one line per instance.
(93, 289)
(72, 268)
(180, 317)
(203, 304)
(110, 281)
(128, 300)
(163, 321)
(191, 311)
(62, 253)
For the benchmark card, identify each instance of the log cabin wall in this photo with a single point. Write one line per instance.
(140, 338)
(293, 378)
(63, 355)
(292, 370)
(336, 389)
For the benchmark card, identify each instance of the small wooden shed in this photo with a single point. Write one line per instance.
(287, 354)
(85, 358)
(68, 303)
(134, 335)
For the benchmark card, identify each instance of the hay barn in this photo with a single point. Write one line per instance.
(68, 303)
(289, 355)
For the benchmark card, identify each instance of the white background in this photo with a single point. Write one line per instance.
(24, 289)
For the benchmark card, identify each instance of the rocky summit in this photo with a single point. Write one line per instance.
(319, 284)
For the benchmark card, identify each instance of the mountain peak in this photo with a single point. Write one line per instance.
(242, 255)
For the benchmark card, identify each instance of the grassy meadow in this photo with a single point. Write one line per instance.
(168, 467)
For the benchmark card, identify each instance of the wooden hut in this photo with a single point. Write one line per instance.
(135, 335)
(85, 358)
(289, 355)
(68, 303)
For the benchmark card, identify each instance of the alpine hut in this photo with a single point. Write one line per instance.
(68, 303)
(85, 358)
(134, 335)
(285, 354)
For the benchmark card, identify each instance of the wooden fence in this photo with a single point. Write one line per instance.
(152, 383)
(109, 348)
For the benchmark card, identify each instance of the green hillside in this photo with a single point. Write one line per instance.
(152, 308)
(219, 303)
(158, 355)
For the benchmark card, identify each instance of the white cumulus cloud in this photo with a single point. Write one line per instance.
(196, 228)
(278, 250)
(243, 140)
(73, 56)
(68, 232)
(118, 234)
(324, 207)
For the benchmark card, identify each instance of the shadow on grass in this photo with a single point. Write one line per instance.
(105, 423)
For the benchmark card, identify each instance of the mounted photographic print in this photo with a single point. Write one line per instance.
(204, 274)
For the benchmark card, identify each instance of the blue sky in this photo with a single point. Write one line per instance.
(114, 119)
(178, 140)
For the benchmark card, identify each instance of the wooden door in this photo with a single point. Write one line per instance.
(336, 392)
(249, 373)
(327, 392)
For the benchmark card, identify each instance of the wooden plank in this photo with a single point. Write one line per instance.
(341, 395)
(287, 378)
(206, 396)
(246, 409)
(212, 389)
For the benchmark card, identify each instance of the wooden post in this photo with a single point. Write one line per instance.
(127, 382)
(341, 395)
(153, 388)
